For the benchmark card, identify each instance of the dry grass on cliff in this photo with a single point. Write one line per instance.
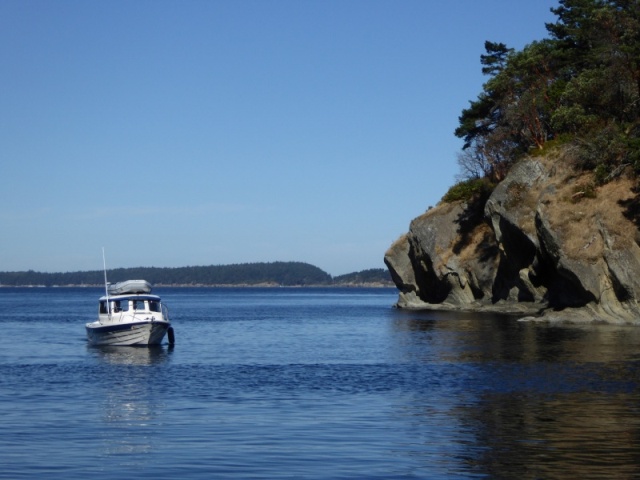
(481, 245)
(578, 214)
(477, 245)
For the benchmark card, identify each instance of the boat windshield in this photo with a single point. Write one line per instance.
(116, 306)
(120, 306)
(138, 304)
(126, 304)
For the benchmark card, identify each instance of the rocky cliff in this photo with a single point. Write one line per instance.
(545, 244)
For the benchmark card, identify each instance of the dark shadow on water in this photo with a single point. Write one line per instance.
(485, 337)
(526, 400)
(570, 435)
(132, 355)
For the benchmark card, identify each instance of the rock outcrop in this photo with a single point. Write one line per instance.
(542, 245)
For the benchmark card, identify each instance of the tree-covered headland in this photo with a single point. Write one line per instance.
(578, 89)
(243, 274)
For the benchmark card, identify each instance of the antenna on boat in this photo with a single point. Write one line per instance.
(106, 285)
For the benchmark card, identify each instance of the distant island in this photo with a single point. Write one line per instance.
(268, 274)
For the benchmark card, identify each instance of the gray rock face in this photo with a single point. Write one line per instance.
(529, 248)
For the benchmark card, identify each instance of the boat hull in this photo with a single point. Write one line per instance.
(147, 332)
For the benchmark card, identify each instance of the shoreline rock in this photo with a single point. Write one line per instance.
(528, 249)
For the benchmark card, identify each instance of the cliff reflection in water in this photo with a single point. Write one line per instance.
(535, 400)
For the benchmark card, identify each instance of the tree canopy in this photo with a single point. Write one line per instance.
(274, 273)
(582, 84)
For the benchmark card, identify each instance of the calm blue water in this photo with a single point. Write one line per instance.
(312, 383)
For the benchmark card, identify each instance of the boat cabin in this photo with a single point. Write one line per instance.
(138, 303)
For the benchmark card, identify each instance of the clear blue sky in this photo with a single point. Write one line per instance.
(178, 133)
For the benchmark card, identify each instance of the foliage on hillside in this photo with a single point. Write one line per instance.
(274, 273)
(469, 189)
(581, 85)
(372, 275)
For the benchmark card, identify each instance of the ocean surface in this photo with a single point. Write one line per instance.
(315, 384)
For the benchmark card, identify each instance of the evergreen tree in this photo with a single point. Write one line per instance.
(583, 82)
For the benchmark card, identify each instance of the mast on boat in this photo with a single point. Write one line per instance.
(106, 285)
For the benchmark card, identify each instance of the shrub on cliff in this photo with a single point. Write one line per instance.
(468, 190)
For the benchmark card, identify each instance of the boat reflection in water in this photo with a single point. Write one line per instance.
(118, 355)
(131, 411)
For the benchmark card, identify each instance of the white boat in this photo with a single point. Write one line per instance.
(130, 317)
